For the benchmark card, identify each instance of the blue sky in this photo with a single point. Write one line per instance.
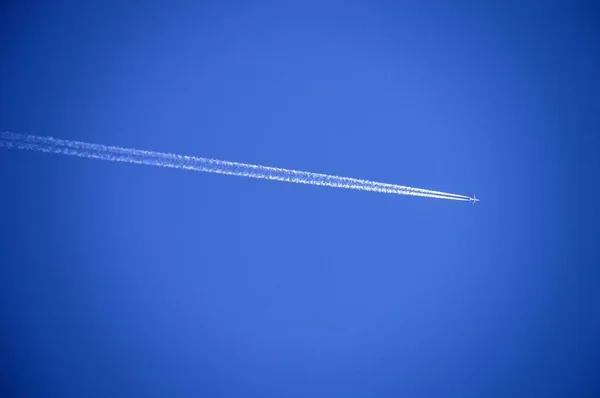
(127, 280)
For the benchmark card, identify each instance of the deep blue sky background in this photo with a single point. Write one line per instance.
(124, 280)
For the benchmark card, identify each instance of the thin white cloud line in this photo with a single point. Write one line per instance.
(129, 155)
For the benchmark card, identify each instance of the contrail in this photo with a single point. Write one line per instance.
(128, 155)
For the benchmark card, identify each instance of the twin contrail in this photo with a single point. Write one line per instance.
(127, 155)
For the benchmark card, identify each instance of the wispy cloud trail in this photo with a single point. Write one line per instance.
(128, 155)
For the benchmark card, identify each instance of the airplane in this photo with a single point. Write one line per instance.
(474, 199)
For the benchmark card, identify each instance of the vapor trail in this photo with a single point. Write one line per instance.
(127, 155)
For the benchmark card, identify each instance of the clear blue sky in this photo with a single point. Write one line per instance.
(125, 280)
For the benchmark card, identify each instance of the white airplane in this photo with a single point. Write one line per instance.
(474, 199)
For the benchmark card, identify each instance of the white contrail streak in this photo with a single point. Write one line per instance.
(127, 155)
